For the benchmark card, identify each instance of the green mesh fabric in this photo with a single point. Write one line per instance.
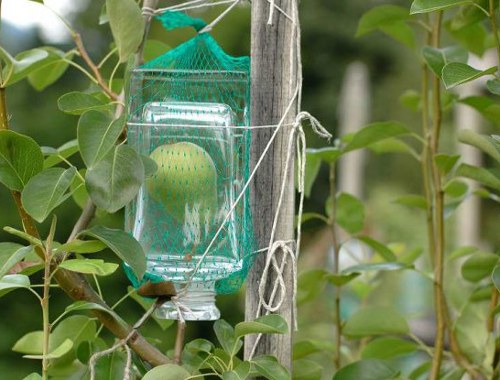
(187, 111)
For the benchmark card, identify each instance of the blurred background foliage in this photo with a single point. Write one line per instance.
(329, 45)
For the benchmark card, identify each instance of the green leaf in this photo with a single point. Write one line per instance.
(473, 36)
(308, 347)
(267, 324)
(310, 284)
(127, 26)
(20, 67)
(456, 73)
(413, 201)
(401, 32)
(33, 376)
(495, 277)
(115, 180)
(360, 268)
(445, 163)
(493, 86)
(392, 145)
(484, 105)
(375, 320)
(113, 366)
(30, 343)
(350, 213)
(82, 246)
(425, 6)
(304, 369)
(123, 245)
(369, 369)
(313, 164)
(77, 328)
(199, 345)
(375, 132)
(20, 159)
(328, 155)
(461, 252)
(97, 135)
(436, 59)
(479, 266)
(473, 339)
(227, 337)
(84, 305)
(411, 99)
(167, 372)
(59, 351)
(78, 190)
(382, 15)
(486, 144)
(10, 255)
(241, 372)
(89, 266)
(307, 216)
(389, 19)
(77, 103)
(56, 156)
(388, 348)
(340, 279)
(153, 49)
(150, 165)
(54, 68)
(45, 191)
(481, 175)
(23, 235)
(13, 281)
(270, 368)
(378, 247)
(456, 188)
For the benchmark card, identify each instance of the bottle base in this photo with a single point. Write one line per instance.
(203, 312)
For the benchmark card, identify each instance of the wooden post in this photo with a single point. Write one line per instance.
(274, 82)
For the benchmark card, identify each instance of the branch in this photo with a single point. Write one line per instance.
(95, 70)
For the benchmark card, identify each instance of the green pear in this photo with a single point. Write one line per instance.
(186, 181)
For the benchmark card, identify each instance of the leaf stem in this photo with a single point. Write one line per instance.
(45, 299)
(95, 70)
(336, 266)
(494, 27)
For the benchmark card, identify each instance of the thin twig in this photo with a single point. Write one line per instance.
(95, 70)
(179, 341)
(336, 267)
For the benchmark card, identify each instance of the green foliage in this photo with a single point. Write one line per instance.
(115, 180)
(368, 369)
(47, 190)
(127, 26)
(123, 245)
(378, 320)
(20, 159)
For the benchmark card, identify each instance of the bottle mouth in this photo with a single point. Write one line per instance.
(194, 303)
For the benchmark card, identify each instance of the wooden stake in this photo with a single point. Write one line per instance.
(274, 82)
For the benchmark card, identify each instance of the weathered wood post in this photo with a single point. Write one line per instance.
(274, 82)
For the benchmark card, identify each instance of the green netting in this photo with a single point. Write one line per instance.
(187, 111)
